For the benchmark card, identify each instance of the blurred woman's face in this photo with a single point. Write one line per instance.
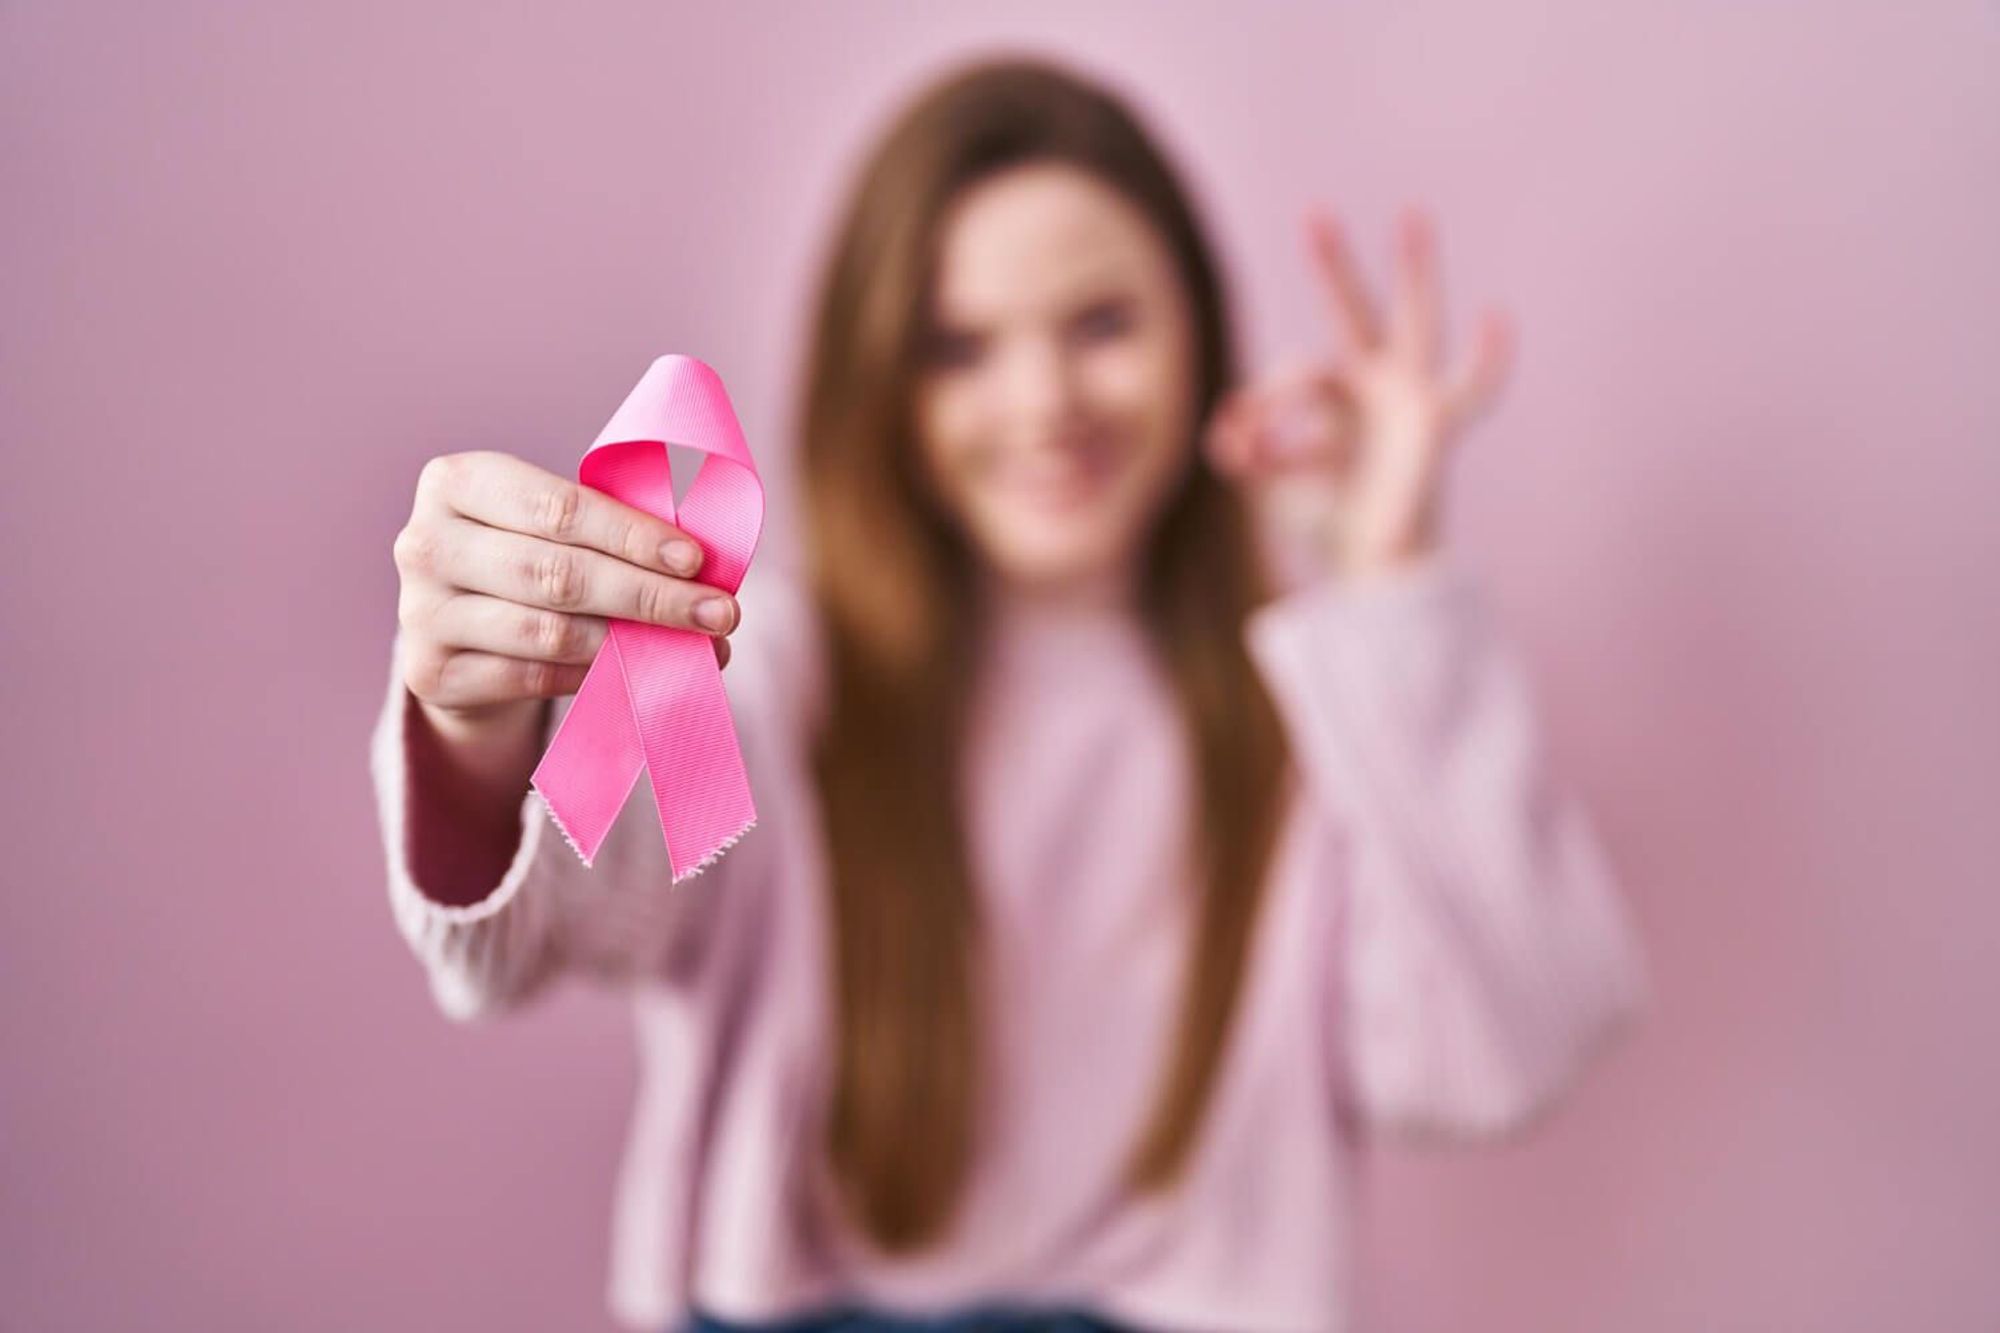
(1057, 379)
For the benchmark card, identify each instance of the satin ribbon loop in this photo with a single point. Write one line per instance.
(653, 699)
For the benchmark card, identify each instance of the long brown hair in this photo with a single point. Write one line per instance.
(894, 579)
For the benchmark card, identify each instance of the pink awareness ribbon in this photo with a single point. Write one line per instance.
(653, 697)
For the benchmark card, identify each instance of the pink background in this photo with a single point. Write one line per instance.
(262, 261)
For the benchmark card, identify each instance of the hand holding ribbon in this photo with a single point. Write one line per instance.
(653, 698)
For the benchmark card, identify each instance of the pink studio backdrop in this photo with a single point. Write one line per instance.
(262, 261)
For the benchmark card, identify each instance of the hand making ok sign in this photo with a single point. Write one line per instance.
(1365, 431)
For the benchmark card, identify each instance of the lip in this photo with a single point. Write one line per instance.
(1061, 487)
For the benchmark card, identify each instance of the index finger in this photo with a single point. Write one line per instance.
(503, 491)
(1347, 294)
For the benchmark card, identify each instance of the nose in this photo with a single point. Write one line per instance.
(1041, 389)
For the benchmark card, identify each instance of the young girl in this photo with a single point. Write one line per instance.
(1103, 897)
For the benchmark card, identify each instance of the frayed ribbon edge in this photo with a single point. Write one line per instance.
(693, 870)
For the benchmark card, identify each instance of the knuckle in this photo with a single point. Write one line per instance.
(557, 511)
(657, 602)
(431, 475)
(631, 541)
(558, 576)
(541, 678)
(440, 473)
(550, 635)
(409, 609)
(424, 671)
(415, 549)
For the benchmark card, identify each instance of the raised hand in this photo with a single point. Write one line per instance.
(1361, 435)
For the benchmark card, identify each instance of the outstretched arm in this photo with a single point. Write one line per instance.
(494, 908)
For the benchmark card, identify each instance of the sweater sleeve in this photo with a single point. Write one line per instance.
(1488, 951)
(621, 917)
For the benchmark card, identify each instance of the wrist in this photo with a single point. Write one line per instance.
(483, 758)
(477, 728)
(1365, 559)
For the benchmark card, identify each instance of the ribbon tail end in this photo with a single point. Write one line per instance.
(581, 854)
(716, 853)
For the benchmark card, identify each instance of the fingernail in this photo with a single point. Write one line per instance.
(681, 557)
(715, 613)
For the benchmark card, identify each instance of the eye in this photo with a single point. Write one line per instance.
(950, 349)
(1103, 321)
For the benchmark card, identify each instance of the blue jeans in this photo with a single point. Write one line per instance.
(983, 1319)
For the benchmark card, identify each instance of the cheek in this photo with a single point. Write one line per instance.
(948, 443)
(1142, 389)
